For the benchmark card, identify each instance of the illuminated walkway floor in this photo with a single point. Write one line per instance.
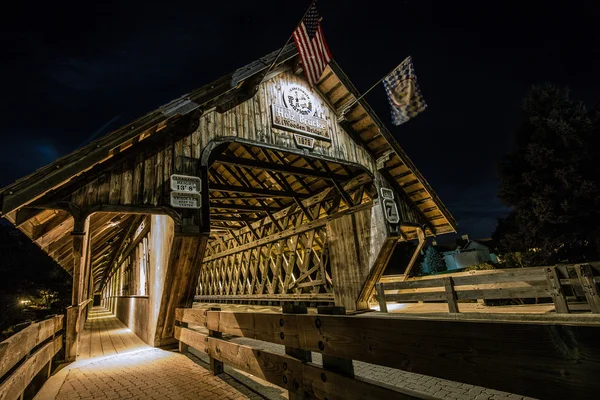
(104, 335)
(113, 363)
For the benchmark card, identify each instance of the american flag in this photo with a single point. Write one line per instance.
(311, 45)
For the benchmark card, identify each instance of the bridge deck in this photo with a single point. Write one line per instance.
(113, 363)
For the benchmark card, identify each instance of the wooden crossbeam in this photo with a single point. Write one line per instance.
(254, 191)
(241, 207)
(347, 198)
(25, 214)
(269, 166)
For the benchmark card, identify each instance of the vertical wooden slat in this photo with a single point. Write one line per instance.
(216, 366)
(127, 183)
(114, 194)
(558, 297)
(339, 365)
(450, 294)
(586, 277)
(302, 355)
(381, 297)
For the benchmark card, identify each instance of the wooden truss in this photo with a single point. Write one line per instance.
(284, 252)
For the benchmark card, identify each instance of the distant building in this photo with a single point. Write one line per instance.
(466, 253)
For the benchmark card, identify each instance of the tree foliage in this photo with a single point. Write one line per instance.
(432, 262)
(28, 273)
(551, 180)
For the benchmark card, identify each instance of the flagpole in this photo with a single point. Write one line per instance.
(286, 42)
(365, 93)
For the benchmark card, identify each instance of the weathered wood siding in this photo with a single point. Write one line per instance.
(252, 120)
(144, 179)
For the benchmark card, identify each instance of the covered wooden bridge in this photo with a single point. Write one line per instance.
(254, 189)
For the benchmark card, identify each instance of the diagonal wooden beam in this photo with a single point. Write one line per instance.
(347, 198)
(265, 153)
(413, 259)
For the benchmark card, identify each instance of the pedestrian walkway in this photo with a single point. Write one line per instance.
(113, 363)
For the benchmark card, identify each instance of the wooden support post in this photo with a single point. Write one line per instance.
(296, 391)
(81, 240)
(558, 297)
(381, 297)
(340, 365)
(216, 366)
(586, 277)
(450, 294)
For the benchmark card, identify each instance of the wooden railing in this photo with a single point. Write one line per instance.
(27, 355)
(551, 356)
(571, 287)
(265, 298)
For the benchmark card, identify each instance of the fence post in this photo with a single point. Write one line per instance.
(216, 366)
(340, 365)
(183, 348)
(586, 277)
(71, 335)
(450, 294)
(295, 391)
(558, 297)
(381, 297)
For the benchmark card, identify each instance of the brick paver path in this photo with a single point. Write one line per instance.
(113, 363)
(149, 374)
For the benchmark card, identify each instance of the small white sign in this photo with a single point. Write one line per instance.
(390, 210)
(185, 183)
(387, 193)
(181, 199)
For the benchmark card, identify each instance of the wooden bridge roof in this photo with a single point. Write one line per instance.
(50, 228)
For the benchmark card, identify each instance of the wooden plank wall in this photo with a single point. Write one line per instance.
(143, 180)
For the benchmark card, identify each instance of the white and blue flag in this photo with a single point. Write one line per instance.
(404, 94)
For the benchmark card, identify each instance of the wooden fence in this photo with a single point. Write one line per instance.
(571, 287)
(551, 356)
(27, 356)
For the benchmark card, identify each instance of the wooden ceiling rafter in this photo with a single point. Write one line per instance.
(126, 247)
(126, 228)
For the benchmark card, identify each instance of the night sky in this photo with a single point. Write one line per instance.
(73, 71)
